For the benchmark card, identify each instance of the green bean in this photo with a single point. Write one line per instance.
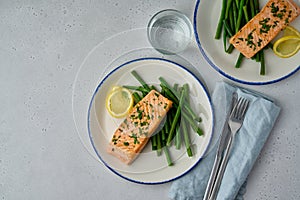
(240, 15)
(187, 102)
(152, 87)
(163, 134)
(166, 84)
(178, 138)
(192, 119)
(262, 63)
(186, 106)
(169, 94)
(256, 6)
(142, 82)
(185, 132)
(168, 157)
(159, 144)
(132, 87)
(220, 23)
(137, 88)
(186, 139)
(154, 142)
(168, 122)
(188, 109)
(252, 8)
(187, 91)
(237, 3)
(224, 40)
(227, 28)
(258, 57)
(176, 117)
(239, 60)
(175, 86)
(246, 2)
(136, 97)
(189, 118)
(246, 13)
(230, 49)
(228, 5)
(235, 13)
(231, 17)
(193, 124)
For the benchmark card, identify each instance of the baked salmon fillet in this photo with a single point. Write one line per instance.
(264, 27)
(134, 132)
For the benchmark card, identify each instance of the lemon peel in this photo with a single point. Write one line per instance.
(119, 102)
(291, 31)
(287, 46)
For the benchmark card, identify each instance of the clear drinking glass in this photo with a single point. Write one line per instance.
(169, 31)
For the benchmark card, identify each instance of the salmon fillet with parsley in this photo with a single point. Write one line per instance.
(264, 27)
(134, 132)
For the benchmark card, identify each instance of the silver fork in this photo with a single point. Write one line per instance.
(235, 123)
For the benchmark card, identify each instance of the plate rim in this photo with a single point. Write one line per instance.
(210, 62)
(116, 171)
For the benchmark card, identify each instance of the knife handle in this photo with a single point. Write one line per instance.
(219, 177)
(212, 177)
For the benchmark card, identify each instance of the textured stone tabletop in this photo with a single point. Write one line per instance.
(42, 156)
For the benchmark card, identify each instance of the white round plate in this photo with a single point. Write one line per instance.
(149, 168)
(206, 16)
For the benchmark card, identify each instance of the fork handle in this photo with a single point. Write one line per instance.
(222, 168)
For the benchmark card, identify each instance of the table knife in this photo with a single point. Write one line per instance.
(221, 147)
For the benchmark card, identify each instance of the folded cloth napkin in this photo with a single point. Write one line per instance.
(258, 123)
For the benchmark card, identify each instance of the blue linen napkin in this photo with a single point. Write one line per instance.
(258, 123)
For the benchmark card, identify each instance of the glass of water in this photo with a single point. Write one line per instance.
(169, 31)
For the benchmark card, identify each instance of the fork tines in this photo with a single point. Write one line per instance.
(241, 108)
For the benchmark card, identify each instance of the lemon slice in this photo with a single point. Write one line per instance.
(290, 31)
(119, 101)
(287, 46)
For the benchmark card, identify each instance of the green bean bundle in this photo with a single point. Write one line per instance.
(179, 119)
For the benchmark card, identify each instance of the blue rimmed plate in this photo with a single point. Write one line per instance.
(148, 168)
(206, 16)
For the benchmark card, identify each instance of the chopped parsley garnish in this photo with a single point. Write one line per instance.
(274, 9)
(114, 140)
(249, 40)
(135, 138)
(265, 27)
(165, 106)
(286, 21)
(144, 123)
(259, 42)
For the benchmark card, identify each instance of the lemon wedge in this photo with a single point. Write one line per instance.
(290, 31)
(287, 46)
(119, 102)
